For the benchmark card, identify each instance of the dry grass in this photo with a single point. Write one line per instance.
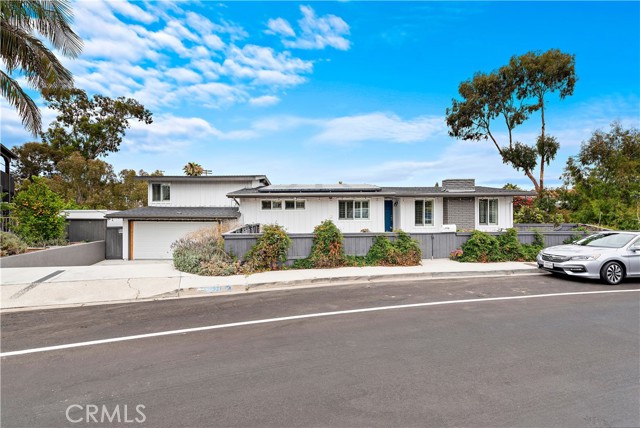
(212, 233)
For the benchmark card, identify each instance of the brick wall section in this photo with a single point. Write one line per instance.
(459, 184)
(460, 211)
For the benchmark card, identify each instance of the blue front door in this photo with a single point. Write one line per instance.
(388, 216)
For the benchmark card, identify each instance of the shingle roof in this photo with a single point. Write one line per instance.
(204, 178)
(178, 213)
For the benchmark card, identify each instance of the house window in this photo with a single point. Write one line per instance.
(160, 192)
(271, 205)
(353, 210)
(424, 212)
(488, 211)
(294, 205)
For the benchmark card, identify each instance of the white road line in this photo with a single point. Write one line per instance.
(296, 317)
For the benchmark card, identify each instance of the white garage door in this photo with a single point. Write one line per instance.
(153, 239)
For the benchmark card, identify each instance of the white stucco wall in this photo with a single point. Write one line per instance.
(205, 194)
(316, 211)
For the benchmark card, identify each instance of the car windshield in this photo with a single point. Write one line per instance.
(606, 240)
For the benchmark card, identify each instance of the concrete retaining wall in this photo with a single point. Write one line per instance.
(433, 245)
(72, 255)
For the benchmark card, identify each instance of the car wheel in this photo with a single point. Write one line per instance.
(612, 273)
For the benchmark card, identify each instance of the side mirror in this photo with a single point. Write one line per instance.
(634, 248)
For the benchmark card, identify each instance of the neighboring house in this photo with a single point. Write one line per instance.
(7, 187)
(177, 206)
(456, 205)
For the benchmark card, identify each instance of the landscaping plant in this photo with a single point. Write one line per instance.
(270, 251)
(202, 252)
(483, 247)
(37, 213)
(11, 244)
(327, 250)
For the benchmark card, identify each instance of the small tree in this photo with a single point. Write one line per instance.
(37, 211)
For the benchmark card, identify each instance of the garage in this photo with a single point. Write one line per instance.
(148, 232)
(153, 239)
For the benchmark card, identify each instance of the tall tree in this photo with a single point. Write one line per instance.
(512, 94)
(94, 126)
(34, 159)
(193, 169)
(88, 183)
(604, 179)
(22, 51)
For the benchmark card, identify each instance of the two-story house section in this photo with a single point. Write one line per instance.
(177, 206)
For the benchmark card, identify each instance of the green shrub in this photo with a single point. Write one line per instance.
(404, 251)
(190, 254)
(327, 250)
(510, 247)
(481, 247)
(11, 244)
(37, 213)
(302, 264)
(202, 252)
(409, 249)
(270, 251)
(538, 239)
(382, 252)
(355, 261)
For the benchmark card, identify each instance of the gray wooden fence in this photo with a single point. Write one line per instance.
(113, 244)
(433, 245)
(86, 230)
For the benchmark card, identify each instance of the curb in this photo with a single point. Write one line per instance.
(228, 290)
(264, 286)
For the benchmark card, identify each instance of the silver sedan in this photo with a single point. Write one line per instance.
(609, 256)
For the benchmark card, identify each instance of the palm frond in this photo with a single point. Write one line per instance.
(20, 49)
(27, 109)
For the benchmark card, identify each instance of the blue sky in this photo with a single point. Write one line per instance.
(321, 92)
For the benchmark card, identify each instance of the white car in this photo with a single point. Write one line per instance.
(609, 256)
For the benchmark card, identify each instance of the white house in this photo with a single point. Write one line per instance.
(457, 204)
(179, 205)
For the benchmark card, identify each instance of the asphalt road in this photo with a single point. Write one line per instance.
(548, 361)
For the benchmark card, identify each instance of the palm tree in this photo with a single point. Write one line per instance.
(193, 169)
(21, 50)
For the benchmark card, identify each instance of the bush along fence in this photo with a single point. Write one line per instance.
(432, 245)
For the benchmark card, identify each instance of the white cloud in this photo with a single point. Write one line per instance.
(316, 32)
(280, 26)
(132, 11)
(265, 67)
(184, 75)
(139, 60)
(265, 100)
(169, 133)
(380, 127)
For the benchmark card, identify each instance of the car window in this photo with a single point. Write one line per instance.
(606, 240)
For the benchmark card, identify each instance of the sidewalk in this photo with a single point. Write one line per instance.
(126, 281)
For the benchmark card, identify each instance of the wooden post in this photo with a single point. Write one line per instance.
(131, 223)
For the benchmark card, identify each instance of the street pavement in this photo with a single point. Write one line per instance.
(122, 281)
(549, 358)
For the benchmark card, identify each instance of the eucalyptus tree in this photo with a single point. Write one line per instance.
(511, 94)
